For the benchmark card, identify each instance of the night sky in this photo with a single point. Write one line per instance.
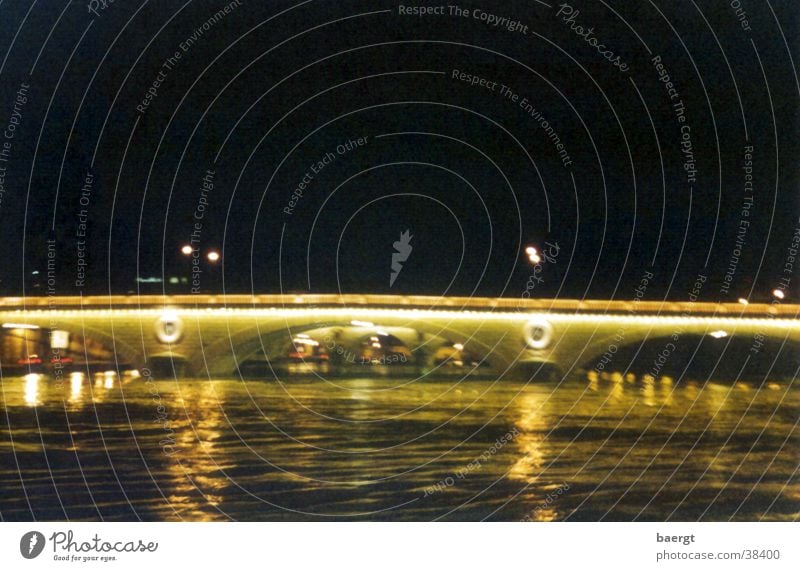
(620, 138)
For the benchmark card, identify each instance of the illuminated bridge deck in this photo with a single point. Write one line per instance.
(213, 335)
(791, 311)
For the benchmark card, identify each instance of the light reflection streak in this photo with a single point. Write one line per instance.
(32, 389)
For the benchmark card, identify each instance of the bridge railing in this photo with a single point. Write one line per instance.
(400, 301)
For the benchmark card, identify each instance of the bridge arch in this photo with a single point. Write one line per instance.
(65, 344)
(343, 341)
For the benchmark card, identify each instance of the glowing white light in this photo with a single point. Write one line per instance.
(359, 323)
(743, 301)
(20, 326)
(75, 385)
(719, 334)
(213, 256)
(32, 388)
(778, 293)
(533, 255)
(305, 341)
(458, 346)
(186, 250)
(382, 332)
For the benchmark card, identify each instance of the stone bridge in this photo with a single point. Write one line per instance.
(215, 336)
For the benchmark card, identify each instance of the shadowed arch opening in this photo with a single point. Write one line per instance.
(346, 349)
(28, 348)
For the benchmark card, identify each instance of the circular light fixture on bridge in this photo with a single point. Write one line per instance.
(538, 333)
(169, 328)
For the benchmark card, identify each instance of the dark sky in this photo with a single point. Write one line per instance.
(262, 93)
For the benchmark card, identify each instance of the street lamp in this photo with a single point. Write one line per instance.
(533, 255)
(186, 250)
(213, 256)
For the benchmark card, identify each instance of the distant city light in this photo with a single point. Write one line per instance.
(718, 334)
(743, 301)
(213, 256)
(186, 250)
(778, 293)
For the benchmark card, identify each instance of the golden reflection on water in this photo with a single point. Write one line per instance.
(188, 434)
(532, 424)
(351, 448)
(32, 381)
(649, 392)
(76, 388)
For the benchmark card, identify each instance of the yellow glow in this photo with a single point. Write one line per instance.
(743, 301)
(75, 386)
(466, 315)
(649, 393)
(19, 326)
(32, 388)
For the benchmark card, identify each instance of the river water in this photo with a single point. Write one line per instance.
(398, 449)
